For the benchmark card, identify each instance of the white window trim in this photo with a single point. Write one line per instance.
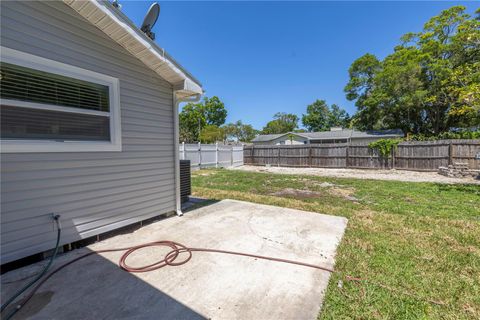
(31, 61)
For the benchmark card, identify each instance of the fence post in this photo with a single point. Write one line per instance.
(231, 156)
(346, 155)
(243, 154)
(199, 155)
(252, 155)
(216, 154)
(450, 153)
(183, 151)
(393, 158)
(278, 160)
(310, 155)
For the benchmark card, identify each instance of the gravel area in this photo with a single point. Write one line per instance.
(398, 175)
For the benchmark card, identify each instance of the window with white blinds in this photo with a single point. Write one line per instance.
(27, 84)
(47, 106)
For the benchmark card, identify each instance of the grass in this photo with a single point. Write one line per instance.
(416, 246)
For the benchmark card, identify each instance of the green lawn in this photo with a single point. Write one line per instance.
(416, 246)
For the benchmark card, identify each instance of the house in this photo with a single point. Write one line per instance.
(89, 123)
(335, 135)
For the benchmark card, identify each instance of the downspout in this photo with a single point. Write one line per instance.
(176, 137)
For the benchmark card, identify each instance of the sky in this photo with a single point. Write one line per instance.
(260, 58)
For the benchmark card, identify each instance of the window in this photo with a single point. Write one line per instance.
(47, 106)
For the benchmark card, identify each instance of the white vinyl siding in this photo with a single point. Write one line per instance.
(94, 192)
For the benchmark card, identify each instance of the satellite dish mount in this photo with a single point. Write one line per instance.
(150, 20)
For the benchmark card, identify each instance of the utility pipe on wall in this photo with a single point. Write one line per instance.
(176, 137)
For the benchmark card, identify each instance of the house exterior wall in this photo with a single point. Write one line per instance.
(352, 140)
(94, 192)
(284, 140)
(368, 140)
(328, 141)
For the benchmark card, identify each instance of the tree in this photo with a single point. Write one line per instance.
(215, 112)
(362, 74)
(338, 117)
(240, 132)
(185, 135)
(192, 120)
(281, 123)
(465, 84)
(196, 116)
(321, 117)
(317, 116)
(429, 84)
(211, 134)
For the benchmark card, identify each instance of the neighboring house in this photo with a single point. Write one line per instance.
(281, 139)
(89, 123)
(335, 135)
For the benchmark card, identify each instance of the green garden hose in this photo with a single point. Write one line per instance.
(40, 275)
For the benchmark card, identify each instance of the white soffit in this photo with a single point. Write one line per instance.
(101, 15)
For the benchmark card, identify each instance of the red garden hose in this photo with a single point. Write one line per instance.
(178, 248)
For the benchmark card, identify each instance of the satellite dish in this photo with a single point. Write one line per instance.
(150, 20)
(116, 4)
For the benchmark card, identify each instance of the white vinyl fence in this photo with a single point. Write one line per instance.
(212, 155)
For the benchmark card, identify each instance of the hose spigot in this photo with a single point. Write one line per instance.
(56, 217)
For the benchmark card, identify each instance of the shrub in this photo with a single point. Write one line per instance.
(385, 146)
(447, 135)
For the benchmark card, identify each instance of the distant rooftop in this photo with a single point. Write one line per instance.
(334, 133)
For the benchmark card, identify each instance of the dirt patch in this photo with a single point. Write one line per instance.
(365, 217)
(297, 194)
(335, 190)
(326, 185)
(346, 193)
(204, 173)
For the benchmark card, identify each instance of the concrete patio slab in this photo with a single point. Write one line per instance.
(211, 285)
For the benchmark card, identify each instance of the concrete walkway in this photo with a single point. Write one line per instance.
(211, 285)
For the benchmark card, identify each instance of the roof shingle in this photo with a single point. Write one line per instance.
(335, 134)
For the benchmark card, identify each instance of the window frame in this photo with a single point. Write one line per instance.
(42, 64)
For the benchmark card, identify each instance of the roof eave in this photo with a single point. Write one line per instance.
(121, 30)
(280, 136)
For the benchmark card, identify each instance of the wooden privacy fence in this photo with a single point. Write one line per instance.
(412, 155)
